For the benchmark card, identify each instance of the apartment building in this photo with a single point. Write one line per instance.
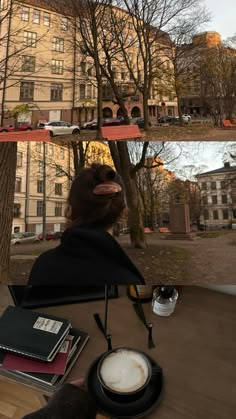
(45, 68)
(29, 184)
(218, 197)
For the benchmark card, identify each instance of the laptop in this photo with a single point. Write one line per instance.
(29, 296)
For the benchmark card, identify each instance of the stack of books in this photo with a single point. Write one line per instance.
(38, 347)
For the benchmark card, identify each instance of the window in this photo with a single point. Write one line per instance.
(51, 150)
(25, 14)
(223, 184)
(28, 63)
(56, 92)
(58, 188)
(59, 170)
(38, 147)
(215, 215)
(30, 39)
(234, 213)
(90, 71)
(46, 19)
(19, 159)
(114, 72)
(58, 44)
(40, 166)
(58, 209)
(39, 208)
(122, 75)
(62, 153)
(233, 199)
(83, 68)
(213, 185)
(206, 215)
(224, 199)
(18, 184)
(214, 199)
(204, 186)
(27, 90)
(225, 214)
(82, 91)
(64, 24)
(204, 200)
(57, 67)
(40, 186)
(130, 25)
(130, 75)
(89, 91)
(36, 16)
(16, 211)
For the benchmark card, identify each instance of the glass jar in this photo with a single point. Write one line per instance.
(164, 300)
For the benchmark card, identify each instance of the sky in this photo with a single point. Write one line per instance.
(223, 17)
(205, 156)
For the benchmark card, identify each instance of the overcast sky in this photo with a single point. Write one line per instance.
(223, 17)
(205, 156)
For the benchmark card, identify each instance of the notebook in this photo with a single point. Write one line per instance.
(57, 366)
(32, 334)
(80, 340)
(45, 296)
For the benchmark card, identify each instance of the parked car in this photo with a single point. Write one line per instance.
(10, 128)
(140, 122)
(168, 120)
(23, 238)
(186, 118)
(49, 235)
(107, 122)
(87, 125)
(59, 128)
(20, 127)
(57, 235)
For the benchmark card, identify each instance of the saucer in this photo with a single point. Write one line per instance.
(149, 400)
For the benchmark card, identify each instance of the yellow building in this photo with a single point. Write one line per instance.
(45, 68)
(28, 201)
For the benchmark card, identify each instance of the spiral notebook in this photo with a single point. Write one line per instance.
(32, 334)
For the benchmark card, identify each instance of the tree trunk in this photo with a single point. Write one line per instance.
(137, 236)
(75, 158)
(179, 108)
(145, 110)
(8, 155)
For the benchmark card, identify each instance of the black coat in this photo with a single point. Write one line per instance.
(70, 402)
(86, 256)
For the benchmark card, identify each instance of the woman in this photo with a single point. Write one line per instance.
(88, 253)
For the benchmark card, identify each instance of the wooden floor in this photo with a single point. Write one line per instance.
(16, 401)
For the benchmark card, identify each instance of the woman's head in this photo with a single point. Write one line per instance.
(96, 197)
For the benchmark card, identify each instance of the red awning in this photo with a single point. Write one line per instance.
(15, 136)
(123, 132)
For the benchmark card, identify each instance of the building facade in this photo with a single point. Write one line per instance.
(29, 184)
(218, 197)
(45, 68)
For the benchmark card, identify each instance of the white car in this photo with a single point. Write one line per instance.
(87, 125)
(59, 128)
(186, 118)
(23, 238)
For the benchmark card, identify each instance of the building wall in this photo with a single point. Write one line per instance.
(210, 206)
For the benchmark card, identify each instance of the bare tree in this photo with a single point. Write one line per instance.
(218, 81)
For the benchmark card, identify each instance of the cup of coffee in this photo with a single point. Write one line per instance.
(124, 374)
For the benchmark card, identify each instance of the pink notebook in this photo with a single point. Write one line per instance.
(57, 366)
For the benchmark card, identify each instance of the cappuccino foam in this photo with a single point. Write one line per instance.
(124, 371)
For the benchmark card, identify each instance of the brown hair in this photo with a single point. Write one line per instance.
(88, 206)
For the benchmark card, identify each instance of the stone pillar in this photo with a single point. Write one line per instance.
(179, 222)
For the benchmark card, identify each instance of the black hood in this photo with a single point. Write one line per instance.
(85, 256)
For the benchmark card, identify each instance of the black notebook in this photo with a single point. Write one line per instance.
(79, 341)
(32, 334)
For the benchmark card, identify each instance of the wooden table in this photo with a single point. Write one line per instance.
(196, 348)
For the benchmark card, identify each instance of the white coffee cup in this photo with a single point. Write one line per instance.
(124, 372)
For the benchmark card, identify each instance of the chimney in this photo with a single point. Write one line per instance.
(226, 164)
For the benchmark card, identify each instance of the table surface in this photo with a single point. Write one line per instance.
(195, 346)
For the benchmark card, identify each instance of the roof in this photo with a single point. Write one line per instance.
(224, 169)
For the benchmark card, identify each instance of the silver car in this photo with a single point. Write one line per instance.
(23, 238)
(59, 128)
